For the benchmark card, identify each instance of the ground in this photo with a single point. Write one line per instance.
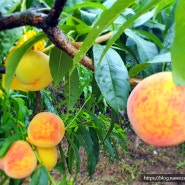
(139, 159)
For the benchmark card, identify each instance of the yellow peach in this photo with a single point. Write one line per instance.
(156, 110)
(48, 156)
(46, 130)
(33, 71)
(20, 160)
(15, 85)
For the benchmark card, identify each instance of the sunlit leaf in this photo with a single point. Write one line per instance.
(178, 46)
(107, 17)
(87, 5)
(147, 6)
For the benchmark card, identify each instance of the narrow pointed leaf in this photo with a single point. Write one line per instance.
(60, 63)
(107, 18)
(87, 142)
(87, 5)
(162, 58)
(72, 89)
(76, 155)
(178, 46)
(148, 6)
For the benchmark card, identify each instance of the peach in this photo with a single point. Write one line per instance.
(20, 160)
(48, 156)
(33, 71)
(156, 110)
(45, 130)
(15, 85)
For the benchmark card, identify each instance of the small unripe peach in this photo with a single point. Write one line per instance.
(33, 71)
(156, 110)
(46, 130)
(48, 156)
(20, 160)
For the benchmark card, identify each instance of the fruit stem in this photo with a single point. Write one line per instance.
(47, 49)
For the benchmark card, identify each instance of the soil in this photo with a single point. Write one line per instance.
(139, 158)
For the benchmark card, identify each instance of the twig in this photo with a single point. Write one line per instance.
(54, 14)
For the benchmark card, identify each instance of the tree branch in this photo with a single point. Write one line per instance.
(60, 40)
(30, 17)
(54, 14)
(47, 21)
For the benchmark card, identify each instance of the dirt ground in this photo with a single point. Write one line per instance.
(139, 159)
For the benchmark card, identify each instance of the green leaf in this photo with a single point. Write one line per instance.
(107, 18)
(101, 132)
(7, 144)
(178, 46)
(14, 181)
(40, 176)
(91, 147)
(144, 18)
(8, 6)
(60, 63)
(162, 58)
(7, 40)
(16, 57)
(147, 6)
(146, 50)
(72, 89)
(87, 5)
(150, 37)
(136, 69)
(73, 149)
(112, 78)
(114, 119)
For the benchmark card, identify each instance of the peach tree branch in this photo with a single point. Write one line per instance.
(46, 20)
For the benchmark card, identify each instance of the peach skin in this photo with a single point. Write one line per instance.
(33, 71)
(20, 160)
(156, 110)
(48, 156)
(45, 130)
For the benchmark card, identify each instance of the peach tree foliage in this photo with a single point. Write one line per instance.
(137, 41)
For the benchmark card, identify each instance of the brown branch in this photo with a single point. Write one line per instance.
(41, 19)
(54, 14)
(60, 40)
(30, 17)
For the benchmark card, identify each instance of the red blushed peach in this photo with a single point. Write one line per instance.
(156, 110)
(20, 160)
(46, 130)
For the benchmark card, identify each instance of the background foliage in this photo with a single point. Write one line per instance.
(139, 42)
